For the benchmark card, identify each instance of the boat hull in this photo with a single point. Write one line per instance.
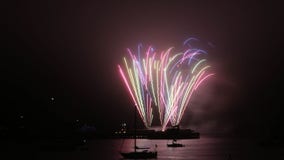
(175, 145)
(139, 155)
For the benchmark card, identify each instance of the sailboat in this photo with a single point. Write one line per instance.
(139, 152)
(175, 131)
(175, 144)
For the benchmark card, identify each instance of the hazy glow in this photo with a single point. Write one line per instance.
(166, 80)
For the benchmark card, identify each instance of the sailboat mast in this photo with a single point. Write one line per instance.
(135, 128)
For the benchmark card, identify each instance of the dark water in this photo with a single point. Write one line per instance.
(205, 148)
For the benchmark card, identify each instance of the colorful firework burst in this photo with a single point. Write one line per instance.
(166, 80)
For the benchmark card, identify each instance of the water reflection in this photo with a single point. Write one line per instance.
(205, 148)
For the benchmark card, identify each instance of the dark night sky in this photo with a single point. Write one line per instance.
(70, 50)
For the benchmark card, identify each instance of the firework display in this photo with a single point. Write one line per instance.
(166, 80)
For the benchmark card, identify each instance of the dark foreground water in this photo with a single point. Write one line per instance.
(205, 148)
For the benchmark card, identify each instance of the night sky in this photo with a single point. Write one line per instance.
(69, 50)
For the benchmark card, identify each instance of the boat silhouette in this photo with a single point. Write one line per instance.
(139, 152)
(175, 144)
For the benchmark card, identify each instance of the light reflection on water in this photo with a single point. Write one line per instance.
(205, 148)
